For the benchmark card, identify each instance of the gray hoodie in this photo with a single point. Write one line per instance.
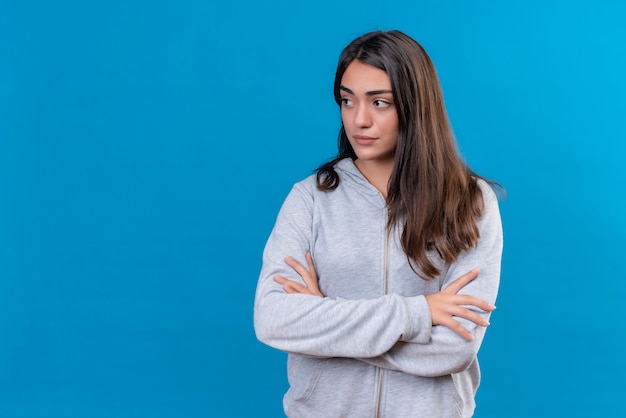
(368, 348)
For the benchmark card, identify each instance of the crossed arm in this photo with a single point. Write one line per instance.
(444, 305)
(429, 335)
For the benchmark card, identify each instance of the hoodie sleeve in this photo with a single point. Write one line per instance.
(324, 327)
(446, 352)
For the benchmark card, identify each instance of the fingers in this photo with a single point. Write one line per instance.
(462, 281)
(461, 312)
(447, 308)
(309, 261)
(454, 325)
(473, 301)
(458, 328)
(309, 276)
(294, 287)
(299, 268)
(290, 286)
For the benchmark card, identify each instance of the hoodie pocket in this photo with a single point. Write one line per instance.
(330, 387)
(303, 374)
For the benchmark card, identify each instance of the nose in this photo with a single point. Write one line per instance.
(362, 117)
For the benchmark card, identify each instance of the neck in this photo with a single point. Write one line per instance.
(377, 173)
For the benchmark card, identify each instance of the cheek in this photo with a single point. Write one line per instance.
(391, 126)
(395, 125)
(346, 122)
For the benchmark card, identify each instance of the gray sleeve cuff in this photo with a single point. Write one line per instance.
(419, 321)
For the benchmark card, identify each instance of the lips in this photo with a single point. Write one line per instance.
(363, 139)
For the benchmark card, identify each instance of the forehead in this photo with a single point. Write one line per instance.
(361, 77)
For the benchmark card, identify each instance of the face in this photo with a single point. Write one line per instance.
(368, 113)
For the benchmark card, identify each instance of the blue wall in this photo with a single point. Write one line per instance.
(146, 146)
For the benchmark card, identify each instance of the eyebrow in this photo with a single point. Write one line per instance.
(368, 93)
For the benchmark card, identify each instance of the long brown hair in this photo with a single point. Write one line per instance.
(432, 192)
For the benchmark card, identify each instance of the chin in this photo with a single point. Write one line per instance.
(369, 157)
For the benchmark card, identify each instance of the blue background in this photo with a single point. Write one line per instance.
(146, 147)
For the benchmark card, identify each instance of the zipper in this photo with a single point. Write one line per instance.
(380, 392)
(386, 289)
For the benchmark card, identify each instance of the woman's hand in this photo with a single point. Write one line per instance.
(447, 304)
(444, 305)
(309, 276)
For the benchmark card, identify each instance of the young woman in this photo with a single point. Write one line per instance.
(396, 249)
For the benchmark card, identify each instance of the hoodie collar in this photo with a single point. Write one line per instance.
(350, 173)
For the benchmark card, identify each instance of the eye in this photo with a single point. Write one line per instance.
(345, 101)
(381, 103)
